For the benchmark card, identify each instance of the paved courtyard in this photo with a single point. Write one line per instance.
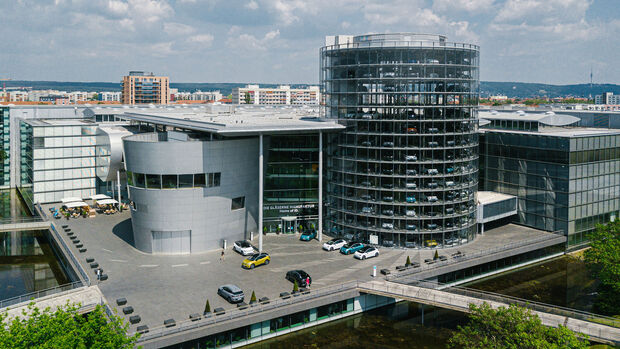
(160, 287)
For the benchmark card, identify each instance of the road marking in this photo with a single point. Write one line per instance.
(149, 266)
(105, 249)
(118, 260)
(180, 265)
(205, 262)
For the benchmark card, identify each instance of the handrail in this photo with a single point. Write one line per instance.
(469, 256)
(41, 293)
(532, 305)
(14, 220)
(234, 313)
(66, 249)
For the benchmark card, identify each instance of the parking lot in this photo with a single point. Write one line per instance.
(160, 287)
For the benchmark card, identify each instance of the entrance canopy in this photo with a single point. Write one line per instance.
(99, 197)
(75, 204)
(289, 218)
(107, 202)
(70, 199)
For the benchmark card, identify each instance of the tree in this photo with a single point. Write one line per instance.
(603, 259)
(408, 262)
(436, 255)
(207, 307)
(64, 328)
(247, 98)
(295, 287)
(253, 298)
(512, 327)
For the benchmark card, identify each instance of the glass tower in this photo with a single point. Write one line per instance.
(404, 173)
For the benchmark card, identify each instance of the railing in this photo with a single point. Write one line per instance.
(41, 293)
(16, 220)
(253, 309)
(532, 305)
(66, 250)
(468, 256)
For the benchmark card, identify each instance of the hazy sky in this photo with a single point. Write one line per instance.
(548, 41)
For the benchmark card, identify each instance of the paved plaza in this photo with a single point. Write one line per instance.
(160, 287)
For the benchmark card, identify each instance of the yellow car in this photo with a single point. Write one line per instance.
(255, 260)
(431, 243)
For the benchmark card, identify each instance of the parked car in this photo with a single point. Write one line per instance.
(388, 198)
(388, 171)
(431, 226)
(410, 199)
(300, 276)
(412, 130)
(351, 248)
(334, 244)
(411, 227)
(430, 243)
(388, 185)
(366, 252)
(365, 184)
(243, 247)
(411, 172)
(410, 213)
(255, 260)
(433, 130)
(231, 293)
(388, 144)
(433, 185)
(387, 226)
(411, 158)
(367, 209)
(388, 157)
(432, 171)
(366, 144)
(308, 235)
(410, 185)
(387, 212)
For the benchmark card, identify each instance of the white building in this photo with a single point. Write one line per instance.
(110, 96)
(607, 98)
(77, 96)
(283, 94)
(198, 96)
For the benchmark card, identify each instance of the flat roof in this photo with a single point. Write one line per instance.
(59, 122)
(568, 132)
(240, 121)
(489, 197)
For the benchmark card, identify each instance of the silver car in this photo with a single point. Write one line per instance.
(231, 293)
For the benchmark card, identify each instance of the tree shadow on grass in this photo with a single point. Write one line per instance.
(124, 231)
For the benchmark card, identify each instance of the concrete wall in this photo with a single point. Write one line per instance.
(205, 211)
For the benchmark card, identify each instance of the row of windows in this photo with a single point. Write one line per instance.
(174, 181)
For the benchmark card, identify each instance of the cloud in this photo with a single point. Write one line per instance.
(248, 41)
(205, 39)
(175, 29)
(252, 5)
(472, 6)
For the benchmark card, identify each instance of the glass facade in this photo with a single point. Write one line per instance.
(56, 161)
(566, 184)
(405, 171)
(291, 183)
(5, 149)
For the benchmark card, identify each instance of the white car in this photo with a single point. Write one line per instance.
(334, 244)
(366, 252)
(243, 247)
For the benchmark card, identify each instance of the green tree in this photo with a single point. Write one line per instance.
(253, 298)
(207, 307)
(603, 259)
(64, 328)
(513, 327)
(436, 255)
(247, 98)
(295, 287)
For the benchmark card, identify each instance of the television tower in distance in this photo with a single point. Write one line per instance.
(590, 97)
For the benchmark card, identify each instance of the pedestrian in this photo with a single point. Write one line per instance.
(307, 282)
(222, 256)
(98, 274)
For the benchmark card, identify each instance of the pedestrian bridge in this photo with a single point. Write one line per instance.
(459, 298)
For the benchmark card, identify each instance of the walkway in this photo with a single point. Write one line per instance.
(454, 298)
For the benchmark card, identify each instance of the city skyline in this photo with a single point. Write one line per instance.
(555, 41)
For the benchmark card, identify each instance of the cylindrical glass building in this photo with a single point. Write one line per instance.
(404, 173)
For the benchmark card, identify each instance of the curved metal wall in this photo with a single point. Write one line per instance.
(206, 212)
(406, 168)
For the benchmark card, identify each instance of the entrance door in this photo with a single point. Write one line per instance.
(172, 242)
(289, 225)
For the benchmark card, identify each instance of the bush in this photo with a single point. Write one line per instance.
(295, 287)
(207, 307)
(408, 262)
(436, 255)
(253, 298)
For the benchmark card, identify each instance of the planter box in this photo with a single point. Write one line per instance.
(195, 317)
(121, 301)
(82, 250)
(143, 329)
(169, 323)
(128, 310)
(134, 319)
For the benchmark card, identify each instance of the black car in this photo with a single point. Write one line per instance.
(300, 276)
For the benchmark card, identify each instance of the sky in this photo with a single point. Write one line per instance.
(278, 41)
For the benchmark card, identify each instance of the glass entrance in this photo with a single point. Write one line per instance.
(289, 225)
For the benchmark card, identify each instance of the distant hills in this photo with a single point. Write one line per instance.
(487, 88)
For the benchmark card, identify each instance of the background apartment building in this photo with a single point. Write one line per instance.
(145, 88)
(283, 94)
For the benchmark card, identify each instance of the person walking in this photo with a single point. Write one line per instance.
(222, 256)
(307, 282)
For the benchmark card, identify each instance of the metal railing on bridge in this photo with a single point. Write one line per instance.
(41, 293)
(17, 220)
(468, 256)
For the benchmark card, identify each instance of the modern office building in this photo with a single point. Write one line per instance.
(566, 178)
(607, 98)
(197, 179)
(282, 95)
(145, 88)
(405, 170)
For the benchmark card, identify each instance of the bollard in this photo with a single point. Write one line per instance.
(374, 271)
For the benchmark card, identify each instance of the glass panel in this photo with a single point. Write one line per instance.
(186, 181)
(199, 180)
(216, 179)
(153, 181)
(129, 178)
(139, 180)
(168, 181)
(238, 203)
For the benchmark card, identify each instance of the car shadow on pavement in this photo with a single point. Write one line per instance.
(124, 231)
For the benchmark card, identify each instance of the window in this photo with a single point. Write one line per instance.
(153, 181)
(168, 181)
(129, 178)
(199, 180)
(216, 179)
(139, 180)
(186, 181)
(238, 203)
